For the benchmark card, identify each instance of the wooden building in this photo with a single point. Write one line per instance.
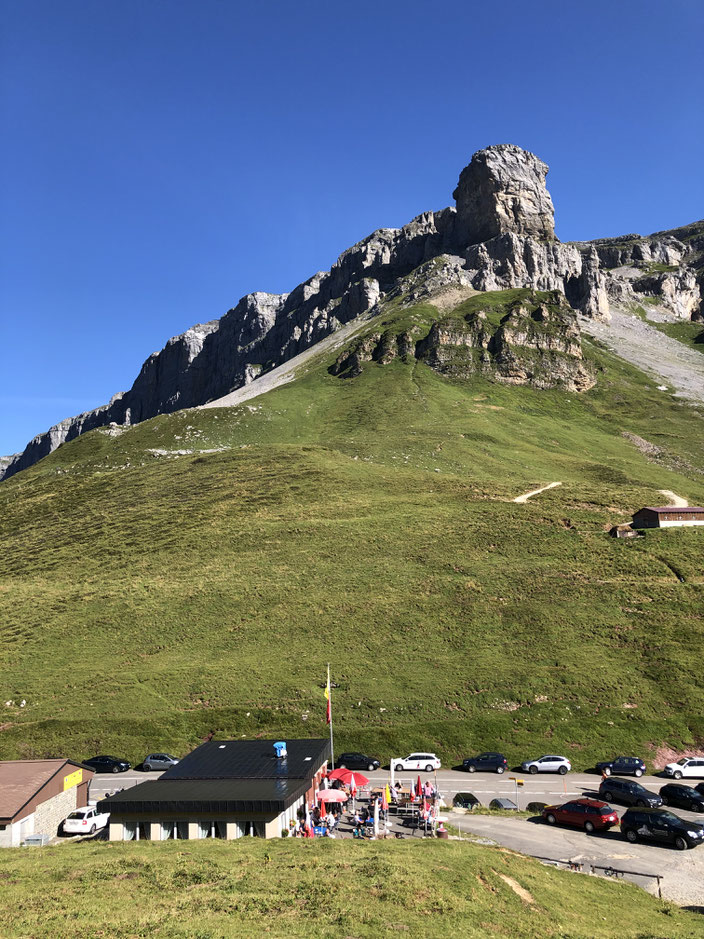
(670, 516)
(37, 795)
(223, 789)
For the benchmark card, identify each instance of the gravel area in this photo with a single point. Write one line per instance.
(668, 361)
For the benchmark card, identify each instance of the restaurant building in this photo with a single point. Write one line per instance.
(223, 789)
(668, 517)
(37, 795)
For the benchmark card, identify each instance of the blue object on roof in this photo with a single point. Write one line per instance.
(280, 748)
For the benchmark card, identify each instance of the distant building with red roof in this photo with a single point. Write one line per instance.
(670, 516)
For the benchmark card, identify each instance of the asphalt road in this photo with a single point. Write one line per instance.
(543, 787)
(682, 872)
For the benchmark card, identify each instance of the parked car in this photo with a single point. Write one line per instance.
(465, 800)
(492, 762)
(107, 764)
(683, 797)
(628, 792)
(588, 814)
(357, 761)
(622, 766)
(547, 764)
(85, 821)
(158, 761)
(686, 767)
(661, 826)
(424, 761)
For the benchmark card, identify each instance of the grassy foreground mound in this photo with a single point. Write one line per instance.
(193, 574)
(322, 889)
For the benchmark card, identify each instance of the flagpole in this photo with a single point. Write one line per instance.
(332, 749)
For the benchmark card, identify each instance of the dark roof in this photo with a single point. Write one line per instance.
(251, 759)
(206, 796)
(666, 509)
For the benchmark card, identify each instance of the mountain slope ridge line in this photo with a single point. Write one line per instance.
(499, 236)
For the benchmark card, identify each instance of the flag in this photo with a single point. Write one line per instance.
(328, 715)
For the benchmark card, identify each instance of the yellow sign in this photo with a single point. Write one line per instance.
(73, 779)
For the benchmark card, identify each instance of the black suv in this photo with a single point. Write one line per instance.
(357, 761)
(684, 797)
(628, 793)
(661, 826)
(622, 766)
(494, 762)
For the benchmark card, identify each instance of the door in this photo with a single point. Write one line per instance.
(574, 814)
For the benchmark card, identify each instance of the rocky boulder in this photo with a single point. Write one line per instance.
(503, 190)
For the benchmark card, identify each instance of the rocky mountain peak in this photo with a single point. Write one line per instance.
(503, 190)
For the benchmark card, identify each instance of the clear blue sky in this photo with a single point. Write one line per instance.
(161, 158)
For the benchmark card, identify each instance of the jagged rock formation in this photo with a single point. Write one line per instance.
(501, 235)
(503, 190)
(537, 342)
(659, 268)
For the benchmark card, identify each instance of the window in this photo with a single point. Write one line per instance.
(130, 832)
(205, 829)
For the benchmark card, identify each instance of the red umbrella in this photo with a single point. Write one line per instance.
(332, 795)
(346, 776)
(419, 788)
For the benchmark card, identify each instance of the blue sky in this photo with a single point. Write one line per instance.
(161, 158)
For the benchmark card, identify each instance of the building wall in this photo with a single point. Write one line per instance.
(231, 826)
(685, 523)
(49, 815)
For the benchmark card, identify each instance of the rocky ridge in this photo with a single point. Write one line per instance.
(537, 342)
(500, 236)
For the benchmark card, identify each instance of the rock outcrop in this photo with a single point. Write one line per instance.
(501, 235)
(537, 343)
(659, 268)
(503, 190)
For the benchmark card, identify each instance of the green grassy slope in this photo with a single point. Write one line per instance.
(318, 889)
(148, 600)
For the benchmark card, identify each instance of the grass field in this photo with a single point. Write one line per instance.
(148, 600)
(330, 889)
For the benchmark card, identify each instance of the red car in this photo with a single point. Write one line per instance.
(588, 814)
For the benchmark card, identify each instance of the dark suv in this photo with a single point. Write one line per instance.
(493, 762)
(661, 826)
(628, 793)
(683, 797)
(622, 766)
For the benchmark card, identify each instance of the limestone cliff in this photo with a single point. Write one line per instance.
(501, 235)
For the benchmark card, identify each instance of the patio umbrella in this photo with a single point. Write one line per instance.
(376, 817)
(412, 791)
(332, 795)
(346, 776)
(419, 787)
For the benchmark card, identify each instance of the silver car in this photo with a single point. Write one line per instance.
(158, 761)
(547, 764)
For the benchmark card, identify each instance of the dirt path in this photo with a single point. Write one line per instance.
(527, 495)
(675, 500)
(665, 359)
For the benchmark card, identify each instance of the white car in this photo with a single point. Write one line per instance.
(686, 767)
(547, 764)
(426, 762)
(85, 821)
